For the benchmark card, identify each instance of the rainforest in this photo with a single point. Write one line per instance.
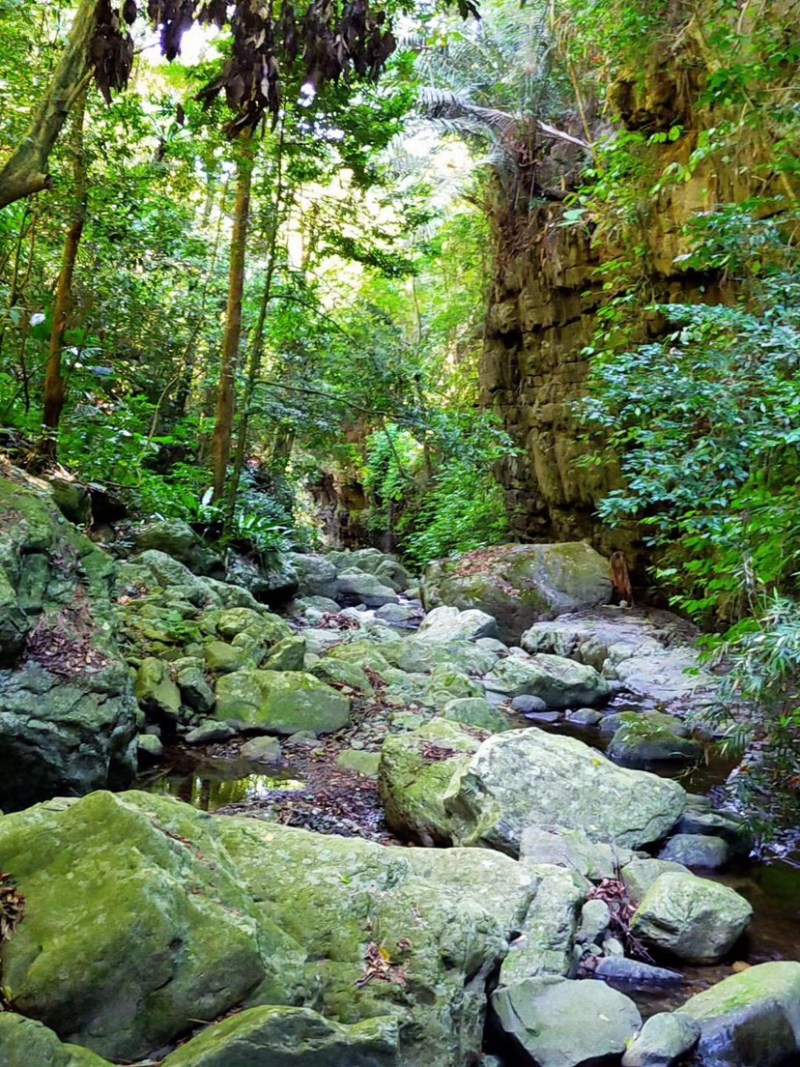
(399, 533)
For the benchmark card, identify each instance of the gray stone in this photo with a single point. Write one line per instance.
(209, 732)
(287, 655)
(662, 1041)
(545, 943)
(518, 584)
(316, 575)
(261, 750)
(491, 644)
(693, 918)
(638, 874)
(280, 702)
(477, 712)
(150, 747)
(397, 614)
(641, 743)
(296, 1037)
(725, 824)
(447, 624)
(615, 967)
(560, 683)
(595, 920)
(155, 690)
(177, 539)
(572, 849)
(564, 1023)
(357, 587)
(195, 691)
(584, 717)
(696, 850)
(527, 705)
(528, 777)
(751, 1019)
(274, 584)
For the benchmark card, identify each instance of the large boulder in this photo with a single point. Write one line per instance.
(528, 777)
(414, 773)
(177, 539)
(662, 1041)
(316, 575)
(749, 1018)
(280, 702)
(560, 683)
(273, 583)
(641, 742)
(518, 584)
(650, 651)
(135, 922)
(446, 624)
(67, 713)
(692, 918)
(564, 1023)
(290, 1037)
(26, 1043)
(359, 587)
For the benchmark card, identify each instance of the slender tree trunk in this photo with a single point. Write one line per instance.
(25, 171)
(226, 392)
(54, 386)
(257, 340)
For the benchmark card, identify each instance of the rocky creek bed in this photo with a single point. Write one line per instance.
(362, 834)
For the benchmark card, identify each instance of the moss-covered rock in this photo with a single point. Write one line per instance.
(477, 712)
(27, 1043)
(414, 774)
(531, 778)
(280, 702)
(155, 690)
(559, 682)
(223, 658)
(287, 655)
(290, 1037)
(67, 713)
(749, 1018)
(693, 918)
(518, 584)
(177, 539)
(639, 742)
(338, 672)
(135, 921)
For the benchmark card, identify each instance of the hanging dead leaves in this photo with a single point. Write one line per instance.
(271, 42)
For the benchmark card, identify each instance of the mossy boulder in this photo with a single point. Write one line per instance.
(559, 682)
(222, 658)
(518, 584)
(358, 587)
(531, 778)
(749, 1018)
(290, 1037)
(177, 539)
(27, 1043)
(135, 921)
(478, 713)
(287, 655)
(67, 712)
(414, 774)
(280, 702)
(337, 672)
(640, 742)
(156, 691)
(693, 918)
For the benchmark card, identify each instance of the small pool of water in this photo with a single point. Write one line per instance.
(212, 783)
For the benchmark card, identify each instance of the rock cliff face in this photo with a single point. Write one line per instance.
(548, 289)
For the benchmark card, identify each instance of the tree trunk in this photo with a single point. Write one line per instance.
(226, 393)
(25, 171)
(54, 387)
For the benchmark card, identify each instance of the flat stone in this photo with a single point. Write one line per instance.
(209, 732)
(280, 702)
(565, 1023)
(445, 624)
(662, 1041)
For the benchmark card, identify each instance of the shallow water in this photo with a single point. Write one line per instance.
(214, 782)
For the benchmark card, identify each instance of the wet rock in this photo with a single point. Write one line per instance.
(749, 1018)
(177, 539)
(731, 827)
(27, 1043)
(693, 918)
(647, 650)
(280, 702)
(560, 683)
(518, 584)
(528, 777)
(477, 712)
(548, 1019)
(528, 705)
(209, 732)
(584, 717)
(398, 614)
(297, 1036)
(617, 968)
(262, 750)
(696, 850)
(358, 587)
(662, 1041)
(446, 624)
(655, 720)
(641, 743)
(415, 771)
